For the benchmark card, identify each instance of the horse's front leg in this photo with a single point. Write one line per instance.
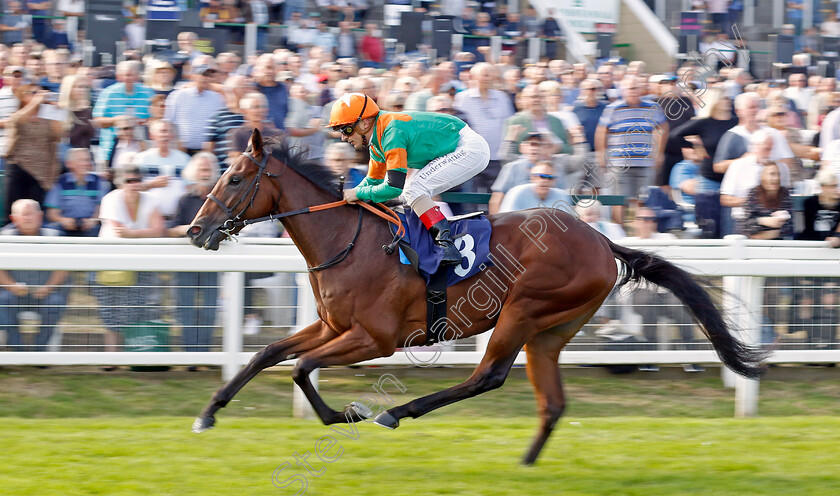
(308, 338)
(353, 346)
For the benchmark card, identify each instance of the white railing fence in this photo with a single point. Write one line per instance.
(784, 291)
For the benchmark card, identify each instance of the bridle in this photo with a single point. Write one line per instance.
(235, 220)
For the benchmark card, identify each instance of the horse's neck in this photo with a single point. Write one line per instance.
(319, 235)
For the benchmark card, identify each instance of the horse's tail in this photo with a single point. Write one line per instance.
(693, 292)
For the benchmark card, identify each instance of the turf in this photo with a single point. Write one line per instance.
(78, 431)
(445, 456)
(86, 392)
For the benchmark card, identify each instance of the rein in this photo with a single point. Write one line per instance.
(235, 221)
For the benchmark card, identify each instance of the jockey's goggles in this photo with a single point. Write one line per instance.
(345, 129)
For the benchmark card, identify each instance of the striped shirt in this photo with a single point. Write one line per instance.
(113, 101)
(632, 133)
(216, 132)
(190, 110)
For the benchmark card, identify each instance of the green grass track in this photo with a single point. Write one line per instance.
(444, 456)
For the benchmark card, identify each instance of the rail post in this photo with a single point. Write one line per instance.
(743, 300)
(234, 284)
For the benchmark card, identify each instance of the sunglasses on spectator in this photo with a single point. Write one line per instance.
(777, 114)
(123, 128)
(646, 218)
(132, 180)
(544, 176)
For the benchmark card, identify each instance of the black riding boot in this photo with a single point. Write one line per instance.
(443, 238)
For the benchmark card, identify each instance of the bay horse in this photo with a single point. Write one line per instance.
(370, 304)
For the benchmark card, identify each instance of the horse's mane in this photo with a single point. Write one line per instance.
(296, 157)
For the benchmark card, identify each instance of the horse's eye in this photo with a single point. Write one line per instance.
(235, 180)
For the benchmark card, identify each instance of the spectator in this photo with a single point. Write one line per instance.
(535, 147)
(74, 97)
(190, 108)
(230, 117)
(485, 109)
(186, 46)
(55, 66)
(12, 79)
(551, 30)
(124, 297)
(705, 131)
(768, 210)
(590, 212)
(775, 117)
(14, 24)
(196, 292)
(40, 291)
(683, 182)
(73, 203)
(39, 10)
(822, 211)
(216, 11)
(589, 108)
(325, 39)
(161, 167)
(256, 11)
(341, 158)
(135, 33)
(126, 141)
(264, 74)
(533, 118)
(539, 193)
(631, 157)
(372, 47)
(160, 77)
(125, 98)
(255, 110)
(744, 173)
(302, 123)
(32, 149)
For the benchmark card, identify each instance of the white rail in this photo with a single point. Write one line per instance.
(742, 263)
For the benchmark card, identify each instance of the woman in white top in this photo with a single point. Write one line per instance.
(128, 212)
(126, 299)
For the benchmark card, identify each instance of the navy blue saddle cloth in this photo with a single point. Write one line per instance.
(471, 234)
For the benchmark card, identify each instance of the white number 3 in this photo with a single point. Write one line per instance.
(465, 245)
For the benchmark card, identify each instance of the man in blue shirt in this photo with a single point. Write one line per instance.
(73, 203)
(540, 192)
(39, 291)
(127, 97)
(265, 73)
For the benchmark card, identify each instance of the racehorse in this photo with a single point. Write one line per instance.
(370, 304)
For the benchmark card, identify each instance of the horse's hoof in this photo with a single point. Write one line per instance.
(386, 420)
(202, 424)
(361, 409)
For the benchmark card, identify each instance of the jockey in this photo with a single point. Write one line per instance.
(444, 149)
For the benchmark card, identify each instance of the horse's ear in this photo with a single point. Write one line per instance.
(256, 143)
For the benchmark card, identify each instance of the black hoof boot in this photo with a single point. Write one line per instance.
(386, 420)
(202, 424)
(443, 239)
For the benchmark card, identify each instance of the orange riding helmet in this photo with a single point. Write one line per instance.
(351, 108)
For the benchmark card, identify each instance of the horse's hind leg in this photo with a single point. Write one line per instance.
(491, 372)
(544, 374)
(306, 339)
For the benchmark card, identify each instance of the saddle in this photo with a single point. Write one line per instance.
(471, 234)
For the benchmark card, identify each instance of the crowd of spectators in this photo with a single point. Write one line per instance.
(128, 151)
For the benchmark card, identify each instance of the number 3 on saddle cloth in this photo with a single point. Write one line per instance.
(471, 235)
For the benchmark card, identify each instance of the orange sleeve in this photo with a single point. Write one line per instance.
(376, 170)
(396, 158)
